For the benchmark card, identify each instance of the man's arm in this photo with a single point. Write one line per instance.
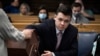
(7, 30)
(28, 33)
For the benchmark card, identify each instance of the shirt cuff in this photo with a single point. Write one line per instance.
(53, 54)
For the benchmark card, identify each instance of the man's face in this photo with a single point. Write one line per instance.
(16, 3)
(76, 10)
(62, 21)
(23, 9)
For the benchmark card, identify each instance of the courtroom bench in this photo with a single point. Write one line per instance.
(81, 27)
(21, 26)
(25, 21)
(94, 22)
(15, 17)
(88, 27)
(97, 17)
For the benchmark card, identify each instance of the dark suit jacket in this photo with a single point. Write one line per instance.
(48, 39)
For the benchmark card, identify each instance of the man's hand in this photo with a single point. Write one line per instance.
(47, 53)
(27, 33)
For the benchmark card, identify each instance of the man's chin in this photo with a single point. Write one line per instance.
(62, 29)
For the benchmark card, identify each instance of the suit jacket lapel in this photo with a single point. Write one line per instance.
(53, 33)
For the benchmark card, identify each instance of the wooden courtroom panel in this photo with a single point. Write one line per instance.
(16, 48)
(22, 17)
(51, 14)
(21, 26)
(97, 17)
(23, 48)
(88, 27)
(81, 27)
(25, 21)
(94, 22)
(16, 44)
(17, 52)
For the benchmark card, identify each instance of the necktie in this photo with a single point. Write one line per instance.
(59, 37)
(77, 18)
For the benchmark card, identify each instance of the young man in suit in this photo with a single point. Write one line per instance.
(49, 30)
(7, 31)
(77, 16)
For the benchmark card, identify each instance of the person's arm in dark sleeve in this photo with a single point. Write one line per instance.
(37, 28)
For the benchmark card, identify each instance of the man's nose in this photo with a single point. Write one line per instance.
(62, 23)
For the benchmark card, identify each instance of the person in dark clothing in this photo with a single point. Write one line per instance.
(13, 7)
(57, 36)
(43, 13)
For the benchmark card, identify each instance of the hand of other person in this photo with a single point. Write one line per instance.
(28, 33)
(47, 53)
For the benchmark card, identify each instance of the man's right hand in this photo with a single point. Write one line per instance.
(28, 33)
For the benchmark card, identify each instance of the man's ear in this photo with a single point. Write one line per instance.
(55, 16)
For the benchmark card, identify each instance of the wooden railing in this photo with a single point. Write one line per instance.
(16, 18)
(97, 17)
(81, 27)
(88, 27)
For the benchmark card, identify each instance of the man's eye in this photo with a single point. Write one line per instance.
(67, 21)
(60, 19)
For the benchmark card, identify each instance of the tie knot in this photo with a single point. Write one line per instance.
(60, 32)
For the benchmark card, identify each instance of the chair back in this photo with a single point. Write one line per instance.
(85, 42)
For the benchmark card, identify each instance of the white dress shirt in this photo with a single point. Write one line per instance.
(57, 31)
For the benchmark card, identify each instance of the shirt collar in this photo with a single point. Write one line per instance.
(73, 17)
(57, 31)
